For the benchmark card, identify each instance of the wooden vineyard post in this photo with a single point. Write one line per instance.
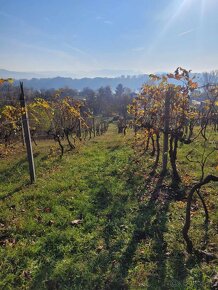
(23, 137)
(166, 132)
(80, 130)
(27, 136)
(93, 125)
(135, 119)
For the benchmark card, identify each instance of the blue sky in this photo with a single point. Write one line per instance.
(93, 36)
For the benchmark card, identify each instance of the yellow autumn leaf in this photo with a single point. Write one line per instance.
(10, 80)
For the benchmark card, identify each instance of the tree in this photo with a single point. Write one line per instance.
(104, 100)
(119, 91)
(91, 100)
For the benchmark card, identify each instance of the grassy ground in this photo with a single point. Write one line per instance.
(91, 222)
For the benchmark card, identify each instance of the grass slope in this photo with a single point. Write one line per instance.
(126, 238)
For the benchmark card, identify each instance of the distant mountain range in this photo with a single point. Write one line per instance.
(110, 73)
(18, 75)
(38, 82)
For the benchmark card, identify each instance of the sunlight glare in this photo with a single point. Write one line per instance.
(169, 23)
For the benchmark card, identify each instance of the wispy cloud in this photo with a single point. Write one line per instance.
(173, 12)
(86, 56)
(109, 22)
(99, 17)
(186, 32)
(27, 28)
(75, 49)
(104, 20)
(52, 58)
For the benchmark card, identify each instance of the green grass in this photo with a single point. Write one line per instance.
(126, 240)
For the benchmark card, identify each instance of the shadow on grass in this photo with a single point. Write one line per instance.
(149, 224)
(113, 265)
(10, 172)
(12, 176)
(114, 148)
(154, 168)
(17, 189)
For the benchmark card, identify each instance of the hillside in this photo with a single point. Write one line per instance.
(134, 82)
(92, 221)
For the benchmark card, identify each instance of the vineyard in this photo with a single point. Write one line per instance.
(123, 200)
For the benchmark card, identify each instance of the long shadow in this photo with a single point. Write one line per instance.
(154, 168)
(177, 273)
(175, 261)
(9, 172)
(148, 224)
(17, 189)
(113, 148)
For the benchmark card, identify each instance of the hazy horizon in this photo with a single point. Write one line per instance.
(97, 74)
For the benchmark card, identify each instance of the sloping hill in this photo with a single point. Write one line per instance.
(90, 222)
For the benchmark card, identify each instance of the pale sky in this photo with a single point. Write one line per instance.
(82, 36)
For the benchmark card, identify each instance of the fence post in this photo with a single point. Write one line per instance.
(79, 129)
(166, 131)
(93, 125)
(27, 136)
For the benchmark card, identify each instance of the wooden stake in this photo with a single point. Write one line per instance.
(27, 136)
(93, 125)
(166, 132)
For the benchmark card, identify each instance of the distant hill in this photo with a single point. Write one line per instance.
(37, 82)
(18, 75)
(133, 83)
